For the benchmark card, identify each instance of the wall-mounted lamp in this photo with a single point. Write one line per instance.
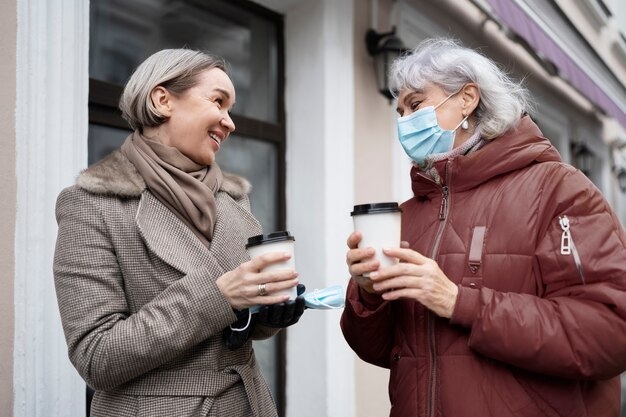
(384, 47)
(583, 157)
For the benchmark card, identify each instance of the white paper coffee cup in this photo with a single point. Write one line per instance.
(380, 225)
(281, 241)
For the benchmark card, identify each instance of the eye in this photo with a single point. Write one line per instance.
(414, 105)
(219, 101)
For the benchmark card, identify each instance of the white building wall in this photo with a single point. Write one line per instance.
(320, 131)
(51, 131)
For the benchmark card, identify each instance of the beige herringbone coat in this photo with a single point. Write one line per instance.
(141, 312)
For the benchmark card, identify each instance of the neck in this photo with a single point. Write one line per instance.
(156, 134)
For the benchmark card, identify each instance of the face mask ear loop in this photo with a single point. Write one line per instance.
(246, 326)
(447, 98)
(323, 303)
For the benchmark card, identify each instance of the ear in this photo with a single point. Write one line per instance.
(162, 100)
(470, 94)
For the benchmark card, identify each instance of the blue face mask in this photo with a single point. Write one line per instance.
(420, 134)
(325, 299)
(328, 298)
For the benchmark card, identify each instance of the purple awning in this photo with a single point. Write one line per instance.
(522, 24)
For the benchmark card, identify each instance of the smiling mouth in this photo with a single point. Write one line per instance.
(215, 138)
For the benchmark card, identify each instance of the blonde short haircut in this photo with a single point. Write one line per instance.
(176, 70)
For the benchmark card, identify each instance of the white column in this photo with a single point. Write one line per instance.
(51, 130)
(320, 190)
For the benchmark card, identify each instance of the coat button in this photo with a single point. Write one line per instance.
(396, 357)
(472, 284)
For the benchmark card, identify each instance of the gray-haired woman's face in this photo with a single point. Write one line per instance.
(449, 114)
(198, 121)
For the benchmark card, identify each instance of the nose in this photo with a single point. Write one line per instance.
(228, 123)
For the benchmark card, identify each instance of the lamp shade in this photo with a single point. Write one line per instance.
(384, 48)
(583, 157)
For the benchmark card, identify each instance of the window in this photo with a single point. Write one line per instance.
(249, 37)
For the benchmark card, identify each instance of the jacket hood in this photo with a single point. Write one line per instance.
(518, 148)
(115, 175)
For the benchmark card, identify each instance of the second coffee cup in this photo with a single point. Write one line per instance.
(379, 224)
(281, 241)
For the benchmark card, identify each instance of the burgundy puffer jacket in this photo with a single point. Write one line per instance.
(539, 327)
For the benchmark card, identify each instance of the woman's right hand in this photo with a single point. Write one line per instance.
(361, 260)
(241, 285)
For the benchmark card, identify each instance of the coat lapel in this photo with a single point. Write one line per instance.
(172, 241)
(233, 228)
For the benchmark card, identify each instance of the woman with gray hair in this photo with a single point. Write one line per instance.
(510, 295)
(153, 280)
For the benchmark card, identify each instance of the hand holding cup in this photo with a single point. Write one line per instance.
(242, 287)
(376, 226)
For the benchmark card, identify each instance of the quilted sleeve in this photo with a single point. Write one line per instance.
(366, 324)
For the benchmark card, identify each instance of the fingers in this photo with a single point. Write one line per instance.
(357, 255)
(300, 290)
(404, 244)
(288, 312)
(260, 262)
(283, 314)
(354, 239)
(274, 276)
(400, 269)
(360, 268)
(414, 293)
(402, 281)
(406, 255)
(274, 287)
(269, 299)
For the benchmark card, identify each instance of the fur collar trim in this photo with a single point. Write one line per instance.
(115, 175)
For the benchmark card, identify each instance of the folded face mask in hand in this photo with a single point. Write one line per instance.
(328, 298)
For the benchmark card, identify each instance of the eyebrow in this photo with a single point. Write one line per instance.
(221, 90)
(408, 96)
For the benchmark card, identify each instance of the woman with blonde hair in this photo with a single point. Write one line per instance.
(152, 276)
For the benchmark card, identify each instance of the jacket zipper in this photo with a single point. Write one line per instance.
(443, 217)
(568, 247)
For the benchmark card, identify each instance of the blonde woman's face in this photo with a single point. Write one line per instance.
(198, 121)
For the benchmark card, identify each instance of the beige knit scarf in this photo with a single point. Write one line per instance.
(185, 187)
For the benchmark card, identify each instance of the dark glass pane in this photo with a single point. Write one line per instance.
(124, 33)
(102, 140)
(257, 161)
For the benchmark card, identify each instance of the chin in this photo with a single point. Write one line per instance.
(203, 159)
(207, 159)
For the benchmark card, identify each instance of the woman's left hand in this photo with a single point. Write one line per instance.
(416, 277)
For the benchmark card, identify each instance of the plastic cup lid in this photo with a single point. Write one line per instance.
(375, 208)
(269, 238)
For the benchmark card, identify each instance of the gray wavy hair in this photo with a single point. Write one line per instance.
(176, 70)
(448, 64)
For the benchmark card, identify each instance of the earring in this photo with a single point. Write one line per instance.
(465, 124)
